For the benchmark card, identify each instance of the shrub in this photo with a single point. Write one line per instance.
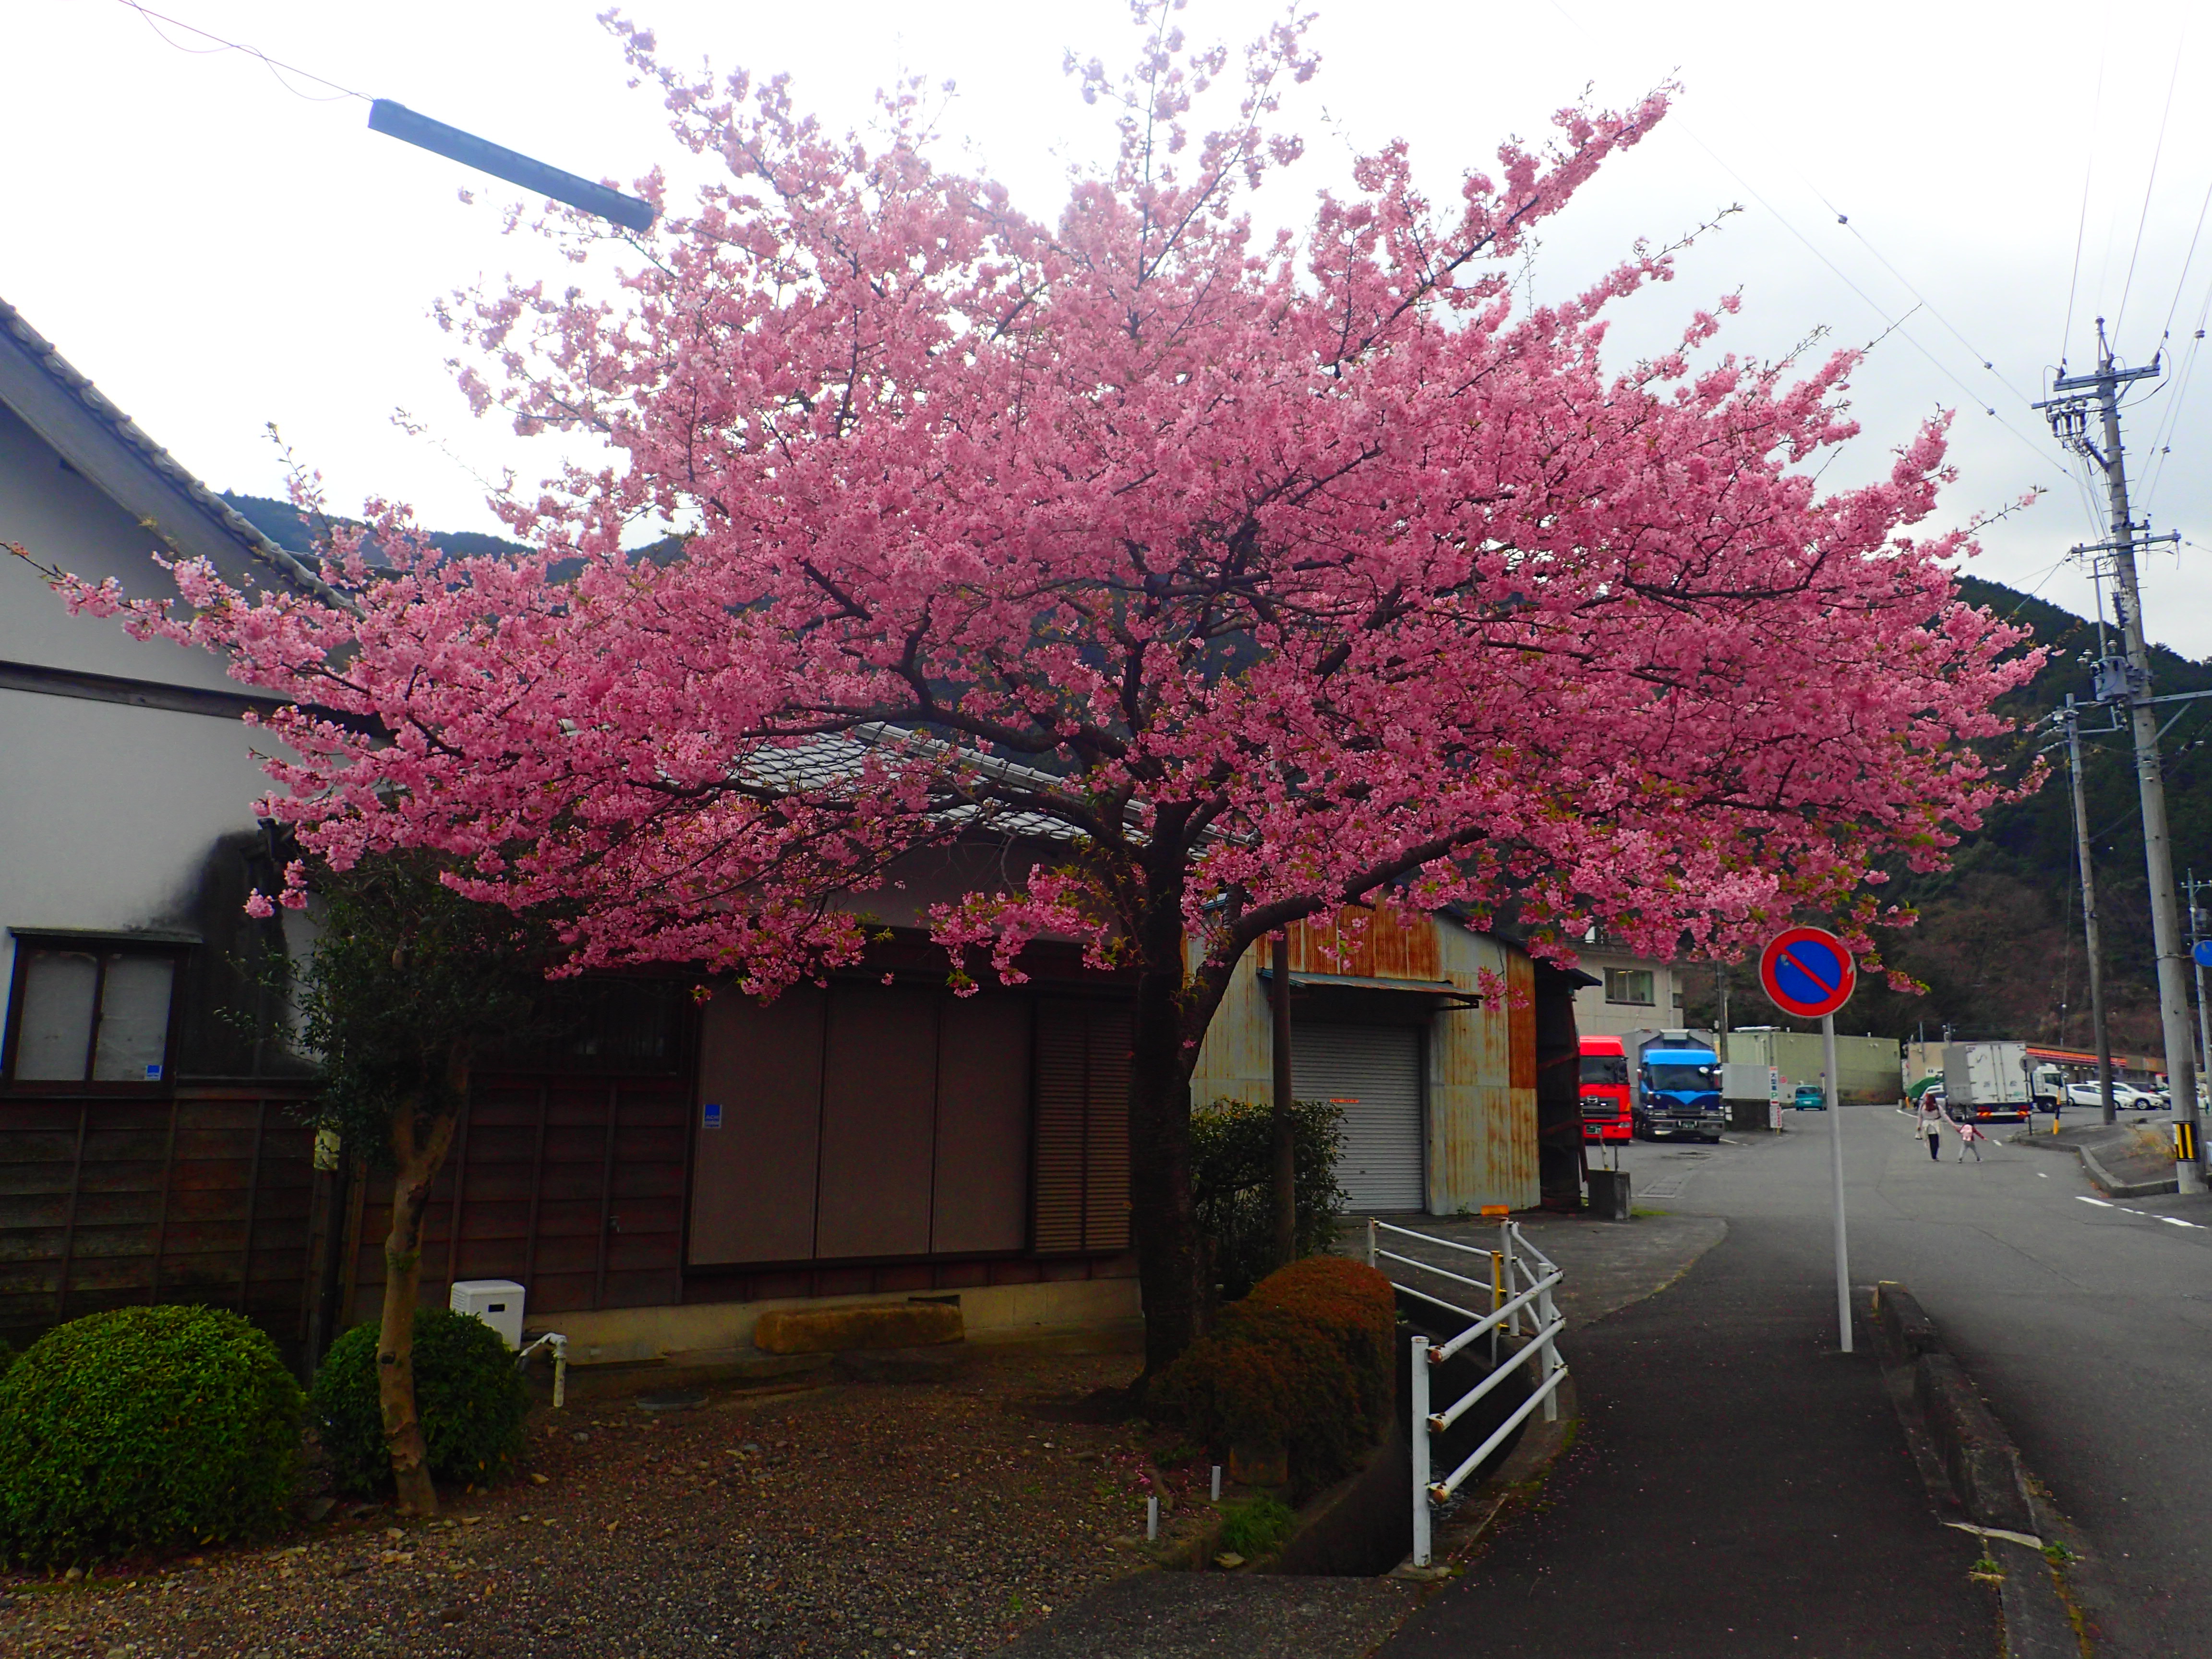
(7, 1355)
(1256, 1527)
(1307, 1362)
(470, 1398)
(1231, 1163)
(144, 1429)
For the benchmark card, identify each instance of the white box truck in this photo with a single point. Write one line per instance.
(1987, 1080)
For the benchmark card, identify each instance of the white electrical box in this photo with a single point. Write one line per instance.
(497, 1302)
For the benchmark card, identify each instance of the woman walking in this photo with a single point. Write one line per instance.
(1930, 1122)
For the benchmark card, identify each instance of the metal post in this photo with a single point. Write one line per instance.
(1420, 1437)
(1282, 1150)
(1836, 1164)
(1371, 1241)
(1505, 1270)
(2091, 942)
(2203, 1023)
(1550, 1362)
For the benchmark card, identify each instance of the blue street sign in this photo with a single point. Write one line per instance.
(2203, 953)
(1808, 972)
(710, 1114)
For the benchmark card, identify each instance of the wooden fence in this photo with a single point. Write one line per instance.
(206, 1196)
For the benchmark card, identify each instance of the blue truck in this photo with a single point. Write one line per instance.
(1678, 1089)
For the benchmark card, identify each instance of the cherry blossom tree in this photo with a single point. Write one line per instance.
(1261, 575)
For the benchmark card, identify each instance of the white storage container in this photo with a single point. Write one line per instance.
(497, 1302)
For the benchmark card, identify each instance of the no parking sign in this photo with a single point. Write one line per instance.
(1808, 972)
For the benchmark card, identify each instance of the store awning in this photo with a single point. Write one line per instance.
(1441, 991)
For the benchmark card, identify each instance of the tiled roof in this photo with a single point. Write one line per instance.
(820, 763)
(41, 350)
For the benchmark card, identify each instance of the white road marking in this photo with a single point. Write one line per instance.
(2170, 1220)
(2043, 1175)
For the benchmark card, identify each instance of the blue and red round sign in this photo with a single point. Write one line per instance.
(1808, 972)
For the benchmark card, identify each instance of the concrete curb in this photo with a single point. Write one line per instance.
(2112, 1186)
(1950, 1426)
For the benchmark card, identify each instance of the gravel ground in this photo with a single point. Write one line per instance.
(860, 1519)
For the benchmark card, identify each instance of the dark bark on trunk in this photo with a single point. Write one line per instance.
(1560, 1168)
(419, 1150)
(1159, 1171)
(1283, 1147)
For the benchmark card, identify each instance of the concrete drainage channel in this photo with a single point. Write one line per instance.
(1979, 1481)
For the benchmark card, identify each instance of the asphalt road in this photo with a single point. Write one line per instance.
(2088, 1325)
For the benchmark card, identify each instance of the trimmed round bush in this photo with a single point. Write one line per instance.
(1307, 1362)
(144, 1429)
(467, 1393)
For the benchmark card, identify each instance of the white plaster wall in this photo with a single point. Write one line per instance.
(1595, 1017)
(60, 519)
(108, 812)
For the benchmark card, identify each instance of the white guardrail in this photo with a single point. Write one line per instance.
(1519, 1281)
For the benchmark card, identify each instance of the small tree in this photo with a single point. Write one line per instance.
(405, 981)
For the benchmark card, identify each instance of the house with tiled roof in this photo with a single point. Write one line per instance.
(661, 1172)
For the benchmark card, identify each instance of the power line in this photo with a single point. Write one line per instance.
(2181, 394)
(1896, 324)
(1928, 305)
(155, 20)
(2082, 223)
(2149, 184)
(2161, 437)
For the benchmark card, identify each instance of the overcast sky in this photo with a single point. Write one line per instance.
(219, 252)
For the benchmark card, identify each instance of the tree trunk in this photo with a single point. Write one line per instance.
(419, 1151)
(1159, 1171)
(1283, 1161)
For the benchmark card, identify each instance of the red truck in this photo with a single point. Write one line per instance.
(1607, 1114)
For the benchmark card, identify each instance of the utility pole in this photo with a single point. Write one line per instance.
(1720, 982)
(1282, 1138)
(2090, 936)
(2127, 680)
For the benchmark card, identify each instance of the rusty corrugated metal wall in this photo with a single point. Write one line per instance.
(1481, 1063)
(1482, 1082)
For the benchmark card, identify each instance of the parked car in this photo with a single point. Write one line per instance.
(1809, 1098)
(2126, 1097)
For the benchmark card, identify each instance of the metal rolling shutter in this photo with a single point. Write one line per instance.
(1374, 1071)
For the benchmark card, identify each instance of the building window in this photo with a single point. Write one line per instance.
(1631, 985)
(90, 1013)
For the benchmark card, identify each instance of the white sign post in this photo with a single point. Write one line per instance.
(1808, 972)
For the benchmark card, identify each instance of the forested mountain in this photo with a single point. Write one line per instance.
(281, 522)
(1999, 940)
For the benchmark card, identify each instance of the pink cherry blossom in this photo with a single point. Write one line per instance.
(1248, 575)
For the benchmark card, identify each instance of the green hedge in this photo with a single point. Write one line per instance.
(144, 1429)
(467, 1393)
(1307, 1362)
(1232, 1193)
